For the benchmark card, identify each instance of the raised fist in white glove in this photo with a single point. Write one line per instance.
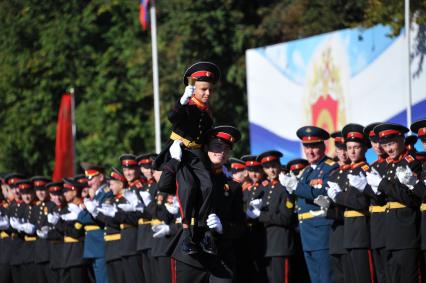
(173, 208)
(53, 218)
(358, 181)
(42, 232)
(214, 223)
(189, 91)
(146, 197)
(176, 150)
(131, 197)
(256, 203)
(289, 181)
(406, 176)
(252, 213)
(322, 201)
(333, 190)
(160, 230)
(28, 228)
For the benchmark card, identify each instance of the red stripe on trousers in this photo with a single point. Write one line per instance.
(370, 262)
(286, 270)
(173, 267)
(180, 204)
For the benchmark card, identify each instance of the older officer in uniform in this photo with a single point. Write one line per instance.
(314, 230)
(402, 217)
(94, 244)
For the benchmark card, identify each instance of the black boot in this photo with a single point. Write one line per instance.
(208, 244)
(189, 247)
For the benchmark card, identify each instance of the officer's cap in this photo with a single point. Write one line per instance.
(55, 188)
(25, 186)
(269, 157)
(39, 182)
(128, 160)
(296, 165)
(91, 170)
(145, 160)
(237, 165)
(339, 142)
(116, 175)
(369, 131)
(202, 71)
(251, 162)
(70, 184)
(312, 134)
(419, 127)
(388, 131)
(355, 133)
(82, 179)
(12, 178)
(220, 136)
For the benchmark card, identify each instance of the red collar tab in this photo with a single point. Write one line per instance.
(200, 105)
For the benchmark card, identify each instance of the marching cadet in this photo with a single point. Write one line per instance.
(377, 208)
(106, 214)
(131, 259)
(402, 217)
(314, 230)
(227, 223)
(94, 243)
(256, 234)
(41, 249)
(335, 212)
(419, 127)
(74, 266)
(275, 212)
(54, 237)
(5, 234)
(356, 223)
(16, 212)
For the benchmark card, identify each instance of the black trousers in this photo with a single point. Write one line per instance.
(148, 267)
(132, 268)
(164, 267)
(338, 267)
(278, 269)
(5, 273)
(115, 271)
(17, 274)
(216, 273)
(402, 266)
(379, 257)
(359, 266)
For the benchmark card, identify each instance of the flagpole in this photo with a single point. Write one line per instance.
(73, 127)
(407, 36)
(155, 77)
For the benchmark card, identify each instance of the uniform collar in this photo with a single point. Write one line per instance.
(345, 167)
(200, 105)
(358, 164)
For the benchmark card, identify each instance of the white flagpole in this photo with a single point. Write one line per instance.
(407, 36)
(155, 78)
(73, 127)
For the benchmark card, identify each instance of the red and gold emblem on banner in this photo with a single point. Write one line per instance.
(325, 105)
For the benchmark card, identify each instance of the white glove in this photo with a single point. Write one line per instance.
(174, 207)
(253, 213)
(256, 203)
(289, 181)
(358, 181)
(127, 207)
(108, 210)
(71, 216)
(131, 197)
(146, 197)
(42, 232)
(28, 228)
(91, 206)
(14, 222)
(322, 201)
(406, 176)
(320, 212)
(189, 91)
(53, 218)
(74, 208)
(333, 190)
(213, 222)
(373, 178)
(160, 230)
(176, 150)
(4, 222)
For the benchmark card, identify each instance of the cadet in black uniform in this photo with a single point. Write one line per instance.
(5, 233)
(403, 214)
(356, 222)
(276, 212)
(41, 246)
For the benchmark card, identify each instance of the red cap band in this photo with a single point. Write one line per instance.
(202, 74)
(388, 133)
(268, 158)
(297, 166)
(69, 186)
(421, 132)
(238, 166)
(355, 135)
(252, 163)
(145, 161)
(339, 139)
(39, 183)
(128, 162)
(225, 136)
(24, 186)
(117, 177)
(54, 189)
(311, 139)
(91, 172)
(372, 134)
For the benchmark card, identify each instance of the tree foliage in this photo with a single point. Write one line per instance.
(98, 48)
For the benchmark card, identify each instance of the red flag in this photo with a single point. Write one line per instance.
(64, 150)
(143, 13)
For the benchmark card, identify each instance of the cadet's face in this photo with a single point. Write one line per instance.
(203, 91)
(41, 195)
(378, 149)
(129, 173)
(255, 176)
(219, 158)
(69, 195)
(57, 199)
(314, 152)
(394, 147)
(342, 155)
(356, 151)
(147, 172)
(96, 181)
(27, 198)
(272, 171)
(240, 176)
(116, 186)
(85, 193)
